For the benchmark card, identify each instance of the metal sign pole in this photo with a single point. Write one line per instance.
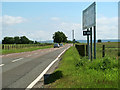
(91, 42)
(94, 42)
(88, 45)
(95, 33)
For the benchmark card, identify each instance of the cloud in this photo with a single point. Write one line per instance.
(107, 28)
(11, 20)
(55, 18)
(67, 28)
(40, 35)
(32, 35)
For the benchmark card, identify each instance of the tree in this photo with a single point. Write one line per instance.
(24, 40)
(8, 40)
(59, 37)
(31, 42)
(17, 40)
(36, 42)
(99, 40)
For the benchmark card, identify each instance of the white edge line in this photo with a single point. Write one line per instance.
(17, 60)
(2, 65)
(41, 75)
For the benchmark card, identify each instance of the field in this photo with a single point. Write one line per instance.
(75, 71)
(17, 48)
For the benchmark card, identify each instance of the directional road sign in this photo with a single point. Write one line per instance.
(86, 33)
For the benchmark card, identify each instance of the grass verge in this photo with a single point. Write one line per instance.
(25, 49)
(77, 72)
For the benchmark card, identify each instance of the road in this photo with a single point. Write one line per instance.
(20, 69)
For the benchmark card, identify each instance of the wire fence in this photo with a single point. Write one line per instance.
(109, 49)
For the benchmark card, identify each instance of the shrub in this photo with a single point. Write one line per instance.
(98, 64)
(99, 40)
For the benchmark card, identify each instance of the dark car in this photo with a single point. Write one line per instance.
(61, 44)
(56, 45)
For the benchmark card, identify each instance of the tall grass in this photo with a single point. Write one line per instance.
(79, 72)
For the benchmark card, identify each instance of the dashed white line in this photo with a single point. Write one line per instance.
(2, 65)
(17, 59)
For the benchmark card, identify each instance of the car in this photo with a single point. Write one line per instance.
(61, 44)
(56, 45)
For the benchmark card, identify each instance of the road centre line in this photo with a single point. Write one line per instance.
(2, 65)
(17, 59)
(42, 74)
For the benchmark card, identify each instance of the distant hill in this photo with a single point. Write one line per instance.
(105, 40)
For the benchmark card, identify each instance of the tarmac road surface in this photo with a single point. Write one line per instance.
(20, 69)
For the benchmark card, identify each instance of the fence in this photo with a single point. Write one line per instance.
(105, 49)
(19, 46)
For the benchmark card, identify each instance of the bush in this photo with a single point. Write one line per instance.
(99, 41)
(102, 64)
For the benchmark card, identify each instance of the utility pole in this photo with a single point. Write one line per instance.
(73, 36)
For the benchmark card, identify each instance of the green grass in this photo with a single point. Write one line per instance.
(24, 49)
(78, 72)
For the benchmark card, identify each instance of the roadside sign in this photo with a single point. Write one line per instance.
(86, 33)
(89, 23)
(89, 16)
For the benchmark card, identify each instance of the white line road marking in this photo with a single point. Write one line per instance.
(2, 65)
(41, 75)
(17, 59)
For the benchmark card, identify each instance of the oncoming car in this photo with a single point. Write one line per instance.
(56, 45)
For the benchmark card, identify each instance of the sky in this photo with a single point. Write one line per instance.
(40, 20)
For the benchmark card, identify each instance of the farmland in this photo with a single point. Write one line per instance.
(75, 71)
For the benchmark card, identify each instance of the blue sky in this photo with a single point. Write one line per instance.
(39, 20)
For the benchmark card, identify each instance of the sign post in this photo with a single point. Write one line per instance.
(94, 42)
(91, 42)
(88, 45)
(89, 22)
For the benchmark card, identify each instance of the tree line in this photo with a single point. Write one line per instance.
(18, 40)
(58, 37)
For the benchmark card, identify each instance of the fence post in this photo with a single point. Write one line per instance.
(8, 47)
(3, 47)
(103, 51)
